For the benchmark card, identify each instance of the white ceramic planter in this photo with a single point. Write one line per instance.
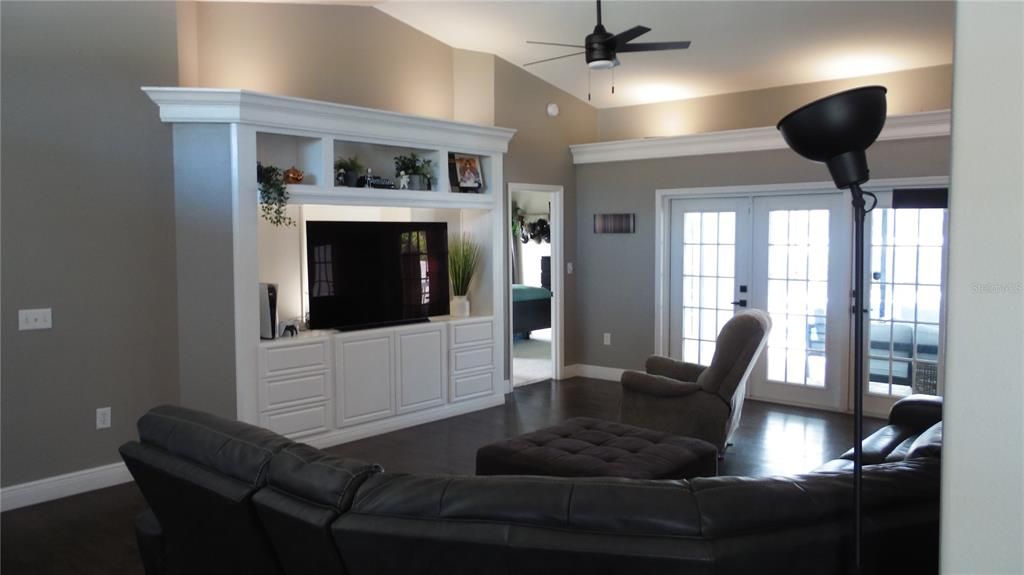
(460, 306)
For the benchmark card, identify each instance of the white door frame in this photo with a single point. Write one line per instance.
(663, 211)
(557, 271)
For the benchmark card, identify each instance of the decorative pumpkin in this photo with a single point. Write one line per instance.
(293, 175)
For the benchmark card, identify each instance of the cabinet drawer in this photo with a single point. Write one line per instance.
(473, 358)
(472, 385)
(465, 334)
(280, 392)
(304, 356)
(299, 421)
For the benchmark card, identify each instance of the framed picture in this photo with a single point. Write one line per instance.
(614, 223)
(468, 172)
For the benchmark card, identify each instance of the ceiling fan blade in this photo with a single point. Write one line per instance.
(554, 44)
(555, 58)
(633, 33)
(654, 46)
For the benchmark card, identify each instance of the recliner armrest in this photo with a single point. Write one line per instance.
(673, 369)
(918, 412)
(648, 384)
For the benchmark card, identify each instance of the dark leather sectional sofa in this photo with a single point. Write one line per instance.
(230, 498)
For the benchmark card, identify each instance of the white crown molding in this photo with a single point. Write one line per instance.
(903, 127)
(232, 106)
(58, 486)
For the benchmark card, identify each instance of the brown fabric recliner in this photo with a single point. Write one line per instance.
(693, 400)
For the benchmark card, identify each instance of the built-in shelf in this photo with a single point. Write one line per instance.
(338, 195)
(307, 386)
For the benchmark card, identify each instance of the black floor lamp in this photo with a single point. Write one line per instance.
(837, 130)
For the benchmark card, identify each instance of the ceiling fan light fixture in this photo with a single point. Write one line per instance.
(602, 64)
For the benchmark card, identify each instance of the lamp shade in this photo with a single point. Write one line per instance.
(836, 130)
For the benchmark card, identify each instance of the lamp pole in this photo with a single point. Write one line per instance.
(858, 367)
(837, 130)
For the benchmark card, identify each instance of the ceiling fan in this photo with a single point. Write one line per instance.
(601, 46)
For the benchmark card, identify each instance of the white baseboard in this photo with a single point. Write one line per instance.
(50, 488)
(58, 486)
(594, 371)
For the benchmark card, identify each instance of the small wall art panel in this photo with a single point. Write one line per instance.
(614, 223)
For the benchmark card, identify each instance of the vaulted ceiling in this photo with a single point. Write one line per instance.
(737, 46)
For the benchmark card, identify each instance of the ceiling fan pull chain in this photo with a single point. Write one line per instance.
(589, 76)
(613, 80)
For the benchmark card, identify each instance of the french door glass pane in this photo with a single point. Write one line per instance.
(797, 295)
(709, 270)
(905, 300)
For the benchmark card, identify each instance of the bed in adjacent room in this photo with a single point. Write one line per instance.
(531, 309)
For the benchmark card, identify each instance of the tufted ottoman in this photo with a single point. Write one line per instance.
(587, 447)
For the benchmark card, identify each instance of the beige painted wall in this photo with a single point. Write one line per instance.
(909, 91)
(350, 54)
(88, 229)
(473, 87)
(539, 153)
(983, 461)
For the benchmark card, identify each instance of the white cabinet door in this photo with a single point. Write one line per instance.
(298, 422)
(421, 367)
(365, 367)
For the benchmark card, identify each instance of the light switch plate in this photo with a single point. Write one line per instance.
(29, 319)
(103, 418)
(607, 339)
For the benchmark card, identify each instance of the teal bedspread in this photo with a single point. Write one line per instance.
(528, 293)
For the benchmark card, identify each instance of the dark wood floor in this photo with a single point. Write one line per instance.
(92, 533)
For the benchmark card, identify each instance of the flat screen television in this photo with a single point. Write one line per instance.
(372, 274)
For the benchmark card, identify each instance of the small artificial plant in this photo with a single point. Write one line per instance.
(349, 165)
(463, 254)
(273, 195)
(414, 165)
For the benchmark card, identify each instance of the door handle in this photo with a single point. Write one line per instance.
(741, 303)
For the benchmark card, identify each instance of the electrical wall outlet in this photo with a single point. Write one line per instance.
(568, 268)
(29, 319)
(607, 339)
(103, 418)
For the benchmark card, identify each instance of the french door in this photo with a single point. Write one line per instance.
(710, 272)
(801, 246)
(783, 254)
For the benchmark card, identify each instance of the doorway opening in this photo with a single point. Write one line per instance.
(535, 237)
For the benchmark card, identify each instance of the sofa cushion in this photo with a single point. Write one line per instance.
(317, 476)
(928, 444)
(234, 448)
(620, 506)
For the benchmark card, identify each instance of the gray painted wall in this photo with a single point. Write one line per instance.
(539, 154)
(615, 273)
(87, 229)
(205, 265)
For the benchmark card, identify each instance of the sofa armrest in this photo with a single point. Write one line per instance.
(918, 412)
(668, 367)
(657, 385)
(150, 538)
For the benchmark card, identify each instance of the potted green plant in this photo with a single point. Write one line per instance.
(419, 170)
(273, 195)
(347, 170)
(463, 256)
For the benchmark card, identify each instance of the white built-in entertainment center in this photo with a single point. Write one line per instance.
(325, 387)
